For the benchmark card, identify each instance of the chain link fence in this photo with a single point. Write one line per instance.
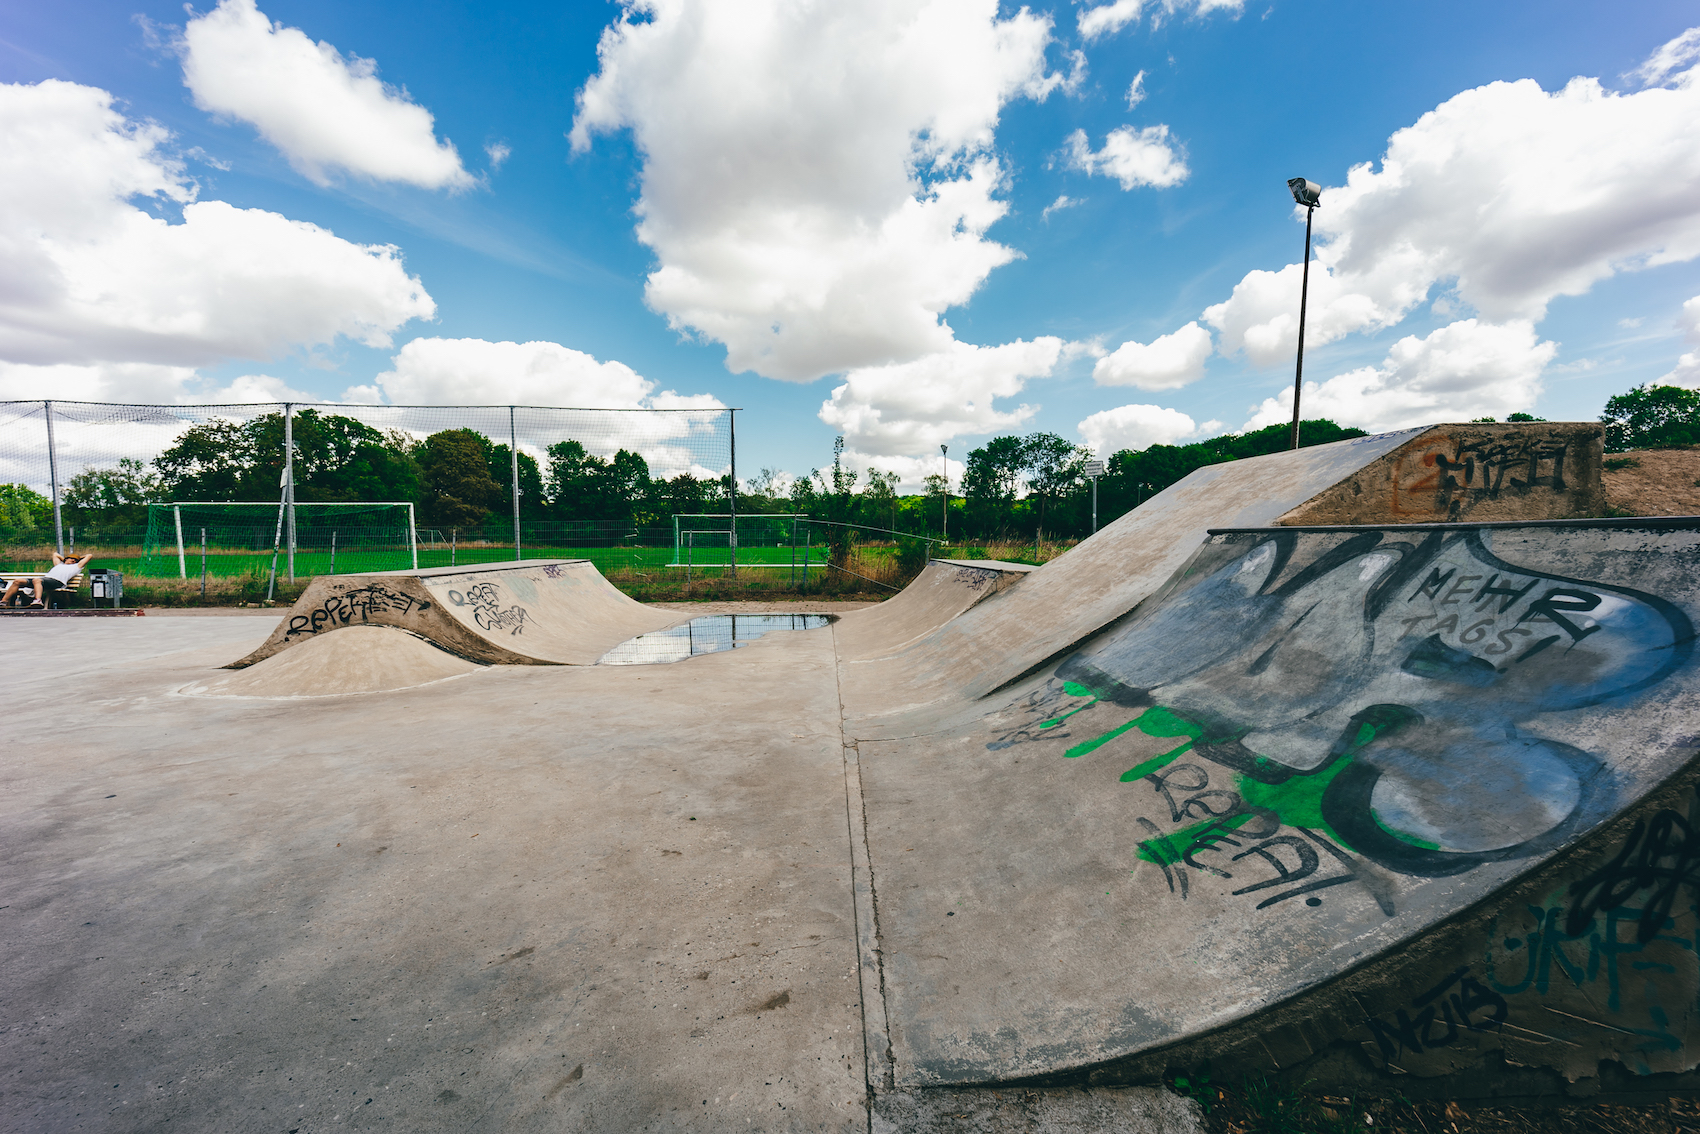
(486, 483)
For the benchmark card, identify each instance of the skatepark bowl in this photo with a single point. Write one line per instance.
(706, 635)
(1372, 765)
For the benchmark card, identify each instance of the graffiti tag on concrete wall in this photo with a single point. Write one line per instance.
(1451, 476)
(360, 602)
(1604, 968)
(1372, 712)
(485, 599)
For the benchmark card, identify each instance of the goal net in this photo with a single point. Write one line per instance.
(310, 539)
(762, 539)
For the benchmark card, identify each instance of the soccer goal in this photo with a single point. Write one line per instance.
(189, 538)
(709, 539)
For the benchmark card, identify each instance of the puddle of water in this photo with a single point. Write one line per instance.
(709, 634)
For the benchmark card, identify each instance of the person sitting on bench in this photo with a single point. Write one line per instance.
(65, 568)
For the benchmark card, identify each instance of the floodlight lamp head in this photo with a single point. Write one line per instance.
(1306, 193)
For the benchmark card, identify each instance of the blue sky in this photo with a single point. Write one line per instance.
(953, 214)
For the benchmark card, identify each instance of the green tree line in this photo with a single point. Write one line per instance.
(1016, 487)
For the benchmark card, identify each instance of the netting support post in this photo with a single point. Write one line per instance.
(412, 536)
(513, 456)
(732, 440)
(182, 559)
(289, 478)
(53, 475)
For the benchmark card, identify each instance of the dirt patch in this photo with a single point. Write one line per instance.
(1254, 1111)
(1661, 482)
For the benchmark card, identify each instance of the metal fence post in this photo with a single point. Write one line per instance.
(289, 478)
(53, 475)
(412, 538)
(732, 438)
(182, 560)
(513, 455)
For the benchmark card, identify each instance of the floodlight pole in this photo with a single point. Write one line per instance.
(944, 488)
(1308, 194)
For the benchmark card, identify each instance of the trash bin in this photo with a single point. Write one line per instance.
(104, 584)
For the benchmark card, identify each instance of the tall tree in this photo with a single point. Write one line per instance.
(1652, 417)
(458, 489)
(1053, 465)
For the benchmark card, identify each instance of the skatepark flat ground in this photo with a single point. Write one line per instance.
(527, 898)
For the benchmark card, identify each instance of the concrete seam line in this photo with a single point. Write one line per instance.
(876, 1041)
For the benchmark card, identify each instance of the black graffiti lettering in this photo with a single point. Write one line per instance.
(1410, 624)
(1510, 595)
(1394, 1038)
(1559, 600)
(1435, 1008)
(1661, 855)
(1156, 849)
(1307, 864)
(1445, 625)
(1176, 774)
(1472, 996)
(1199, 806)
(1463, 584)
(1260, 823)
(341, 609)
(1431, 585)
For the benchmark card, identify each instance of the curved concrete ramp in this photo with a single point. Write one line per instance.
(362, 659)
(531, 612)
(942, 591)
(1430, 473)
(1428, 791)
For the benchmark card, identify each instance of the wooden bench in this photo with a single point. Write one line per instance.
(26, 588)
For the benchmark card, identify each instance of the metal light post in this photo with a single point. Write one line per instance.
(944, 489)
(1308, 194)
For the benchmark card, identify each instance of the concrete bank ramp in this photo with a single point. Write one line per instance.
(942, 591)
(531, 612)
(1419, 795)
(1427, 474)
(361, 659)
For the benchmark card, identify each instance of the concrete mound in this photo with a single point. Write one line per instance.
(1417, 796)
(531, 612)
(364, 659)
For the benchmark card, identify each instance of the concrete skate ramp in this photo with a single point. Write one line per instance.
(942, 591)
(1325, 782)
(531, 612)
(362, 659)
(1427, 474)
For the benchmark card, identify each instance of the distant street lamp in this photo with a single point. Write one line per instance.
(1308, 194)
(944, 488)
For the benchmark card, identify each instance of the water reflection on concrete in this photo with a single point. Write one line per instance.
(709, 634)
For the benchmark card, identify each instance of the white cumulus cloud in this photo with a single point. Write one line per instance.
(322, 110)
(1133, 157)
(913, 407)
(1135, 427)
(1462, 371)
(1507, 194)
(1167, 363)
(1687, 372)
(479, 372)
(818, 179)
(100, 276)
